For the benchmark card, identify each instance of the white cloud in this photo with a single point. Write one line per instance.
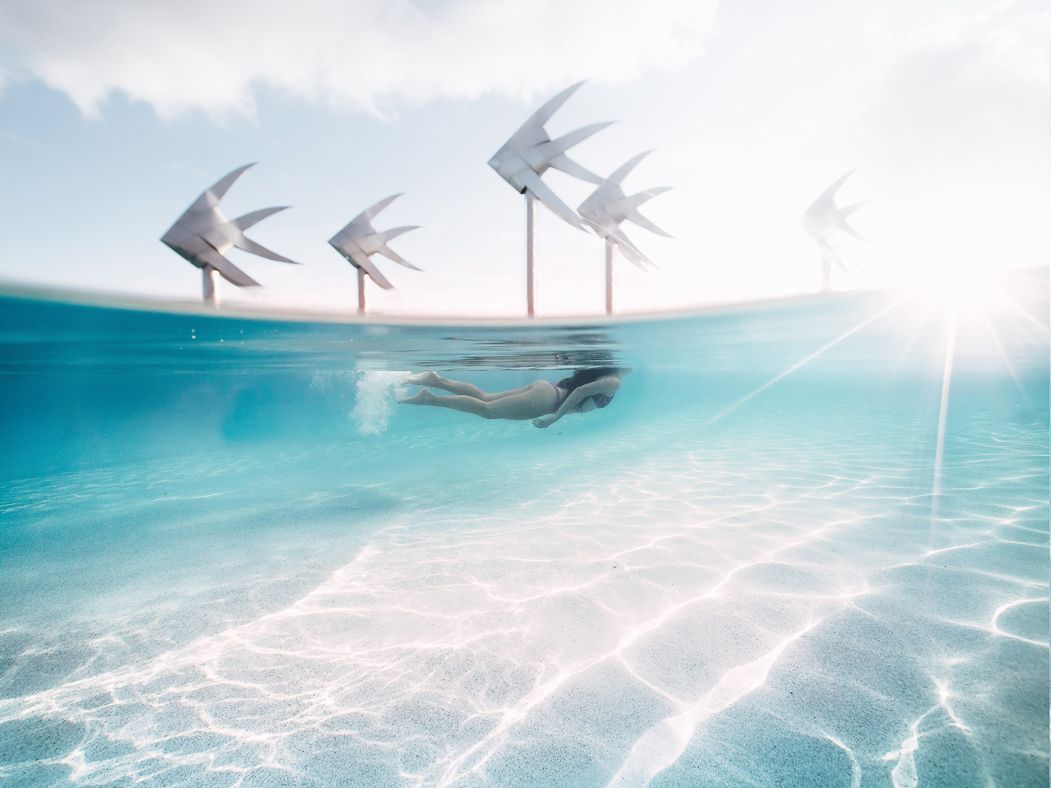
(360, 55)
(942, 104)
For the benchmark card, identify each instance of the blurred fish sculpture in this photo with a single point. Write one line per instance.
(358, 241)
(202, 235)
(826, 223)
(527, 155)
(608, 207)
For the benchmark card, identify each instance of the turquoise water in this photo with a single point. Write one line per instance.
(807, 544)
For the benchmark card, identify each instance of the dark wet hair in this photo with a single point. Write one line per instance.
(584, 376)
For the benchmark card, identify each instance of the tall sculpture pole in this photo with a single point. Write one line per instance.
(607, 208)
(609, 277)
(530, 204)
(202, 235)
(526, 156)
(359, 241)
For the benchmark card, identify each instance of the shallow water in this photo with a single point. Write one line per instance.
(807, 544)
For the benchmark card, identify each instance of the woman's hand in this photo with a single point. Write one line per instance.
(545, 421)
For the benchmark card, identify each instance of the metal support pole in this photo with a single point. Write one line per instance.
(530, 221)
(826, 273)
(609, 277)
(361, 291)
(210, 285)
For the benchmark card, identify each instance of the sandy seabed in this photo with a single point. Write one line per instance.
(727, 610)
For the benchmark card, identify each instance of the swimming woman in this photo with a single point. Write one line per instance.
(542, 401)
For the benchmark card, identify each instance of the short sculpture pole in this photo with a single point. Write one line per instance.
(609, 277)
(361, 292)
(208, 282)
(530, 220)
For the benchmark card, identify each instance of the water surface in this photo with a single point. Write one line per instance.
(807, 544)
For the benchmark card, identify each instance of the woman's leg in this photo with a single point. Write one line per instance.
(434, 380)
(537, 400)
(460, 402)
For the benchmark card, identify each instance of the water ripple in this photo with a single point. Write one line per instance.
(718, 613)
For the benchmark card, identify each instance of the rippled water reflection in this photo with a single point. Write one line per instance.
(752, 569)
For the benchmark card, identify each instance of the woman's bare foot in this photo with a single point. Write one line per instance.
(429, 378)
(422, 397)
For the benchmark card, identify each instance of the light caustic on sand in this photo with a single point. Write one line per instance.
(668, 627)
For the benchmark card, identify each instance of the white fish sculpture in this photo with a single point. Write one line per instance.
(359, 241)
(202, 236)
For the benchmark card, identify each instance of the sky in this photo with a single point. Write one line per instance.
(114, 116)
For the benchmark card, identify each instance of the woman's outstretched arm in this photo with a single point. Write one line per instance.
(606, 386)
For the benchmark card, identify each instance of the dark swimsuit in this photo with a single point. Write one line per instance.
(560, 397)
(600, 400)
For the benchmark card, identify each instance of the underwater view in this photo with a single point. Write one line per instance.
(805, 543)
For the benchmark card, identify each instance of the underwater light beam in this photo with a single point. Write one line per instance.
(926, 316)
(1019, 310)
(804, 361)
(943, 415)
(995, 336)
